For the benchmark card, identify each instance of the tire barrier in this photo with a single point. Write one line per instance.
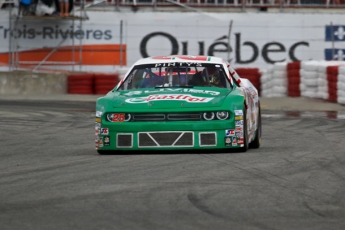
(105, 82)
(91, 83)
(80, 84)
(314, 79)
(274, 81)
(252, 74)
(341, 85)
(293, 79)
(332, 80)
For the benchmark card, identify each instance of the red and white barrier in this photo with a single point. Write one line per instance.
(91, 83)
(314, 79)
(252, 74)
(293, 79)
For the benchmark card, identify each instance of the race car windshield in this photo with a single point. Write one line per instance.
(162, 76)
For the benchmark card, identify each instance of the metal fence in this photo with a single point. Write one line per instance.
(233, 3)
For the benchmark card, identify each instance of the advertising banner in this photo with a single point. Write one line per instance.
(108, 40)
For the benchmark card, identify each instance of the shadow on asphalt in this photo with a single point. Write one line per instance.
(171, 152)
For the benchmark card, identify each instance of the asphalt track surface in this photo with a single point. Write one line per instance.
(51, 177)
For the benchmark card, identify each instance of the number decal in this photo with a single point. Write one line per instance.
(118, 117)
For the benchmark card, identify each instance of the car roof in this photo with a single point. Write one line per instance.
(180, 58)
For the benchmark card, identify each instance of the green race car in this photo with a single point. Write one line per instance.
(179, 103)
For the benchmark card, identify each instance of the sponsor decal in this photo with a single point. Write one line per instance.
(228, 141)
(239, 129)
(104, 131)
(169, 97)
(172, 90)
(97, 128)
(98, 113)
(234, 141)
(100, 143)
(96, 141)
(98, 119)
(106, 141)
(237, 118)
(240, 141)
(169, 64)
(239, 123)
(229, 132)
(239, 112)
(239, 134)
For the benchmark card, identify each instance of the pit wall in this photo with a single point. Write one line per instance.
(25, 83)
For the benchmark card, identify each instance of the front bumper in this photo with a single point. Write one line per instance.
(168, 135)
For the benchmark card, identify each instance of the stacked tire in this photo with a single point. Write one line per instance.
(252, 74)
(341, 85)
(294, 79)
(80, 84)
(332, 80)
(105, 82)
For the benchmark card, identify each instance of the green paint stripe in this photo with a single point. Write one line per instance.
(208, 58)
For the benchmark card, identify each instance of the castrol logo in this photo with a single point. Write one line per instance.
(170, 97)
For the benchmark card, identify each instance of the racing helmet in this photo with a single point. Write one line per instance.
(213, 75)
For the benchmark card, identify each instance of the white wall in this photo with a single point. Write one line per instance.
(192, 30)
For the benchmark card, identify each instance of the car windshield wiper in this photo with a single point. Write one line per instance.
(175, 86)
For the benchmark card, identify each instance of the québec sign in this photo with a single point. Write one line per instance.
(221, 46)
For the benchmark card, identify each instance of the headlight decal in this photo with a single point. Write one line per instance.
(222, 115)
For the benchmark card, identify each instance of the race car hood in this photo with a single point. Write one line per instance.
(165, 98)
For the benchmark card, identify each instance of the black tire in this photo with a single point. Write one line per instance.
(245, 131)
(104, 152)
(255, 144)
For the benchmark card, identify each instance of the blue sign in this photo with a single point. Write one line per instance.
(335, 33)
(337, 54)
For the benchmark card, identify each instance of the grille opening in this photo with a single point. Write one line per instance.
(184, 117)
(145, 140)
(208, 139)
(166, 139)
(124, 140)
(185, 140)
(148, 117)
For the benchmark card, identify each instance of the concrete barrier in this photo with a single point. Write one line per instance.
(26, 83)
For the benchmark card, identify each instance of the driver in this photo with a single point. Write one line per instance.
(210, 73)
